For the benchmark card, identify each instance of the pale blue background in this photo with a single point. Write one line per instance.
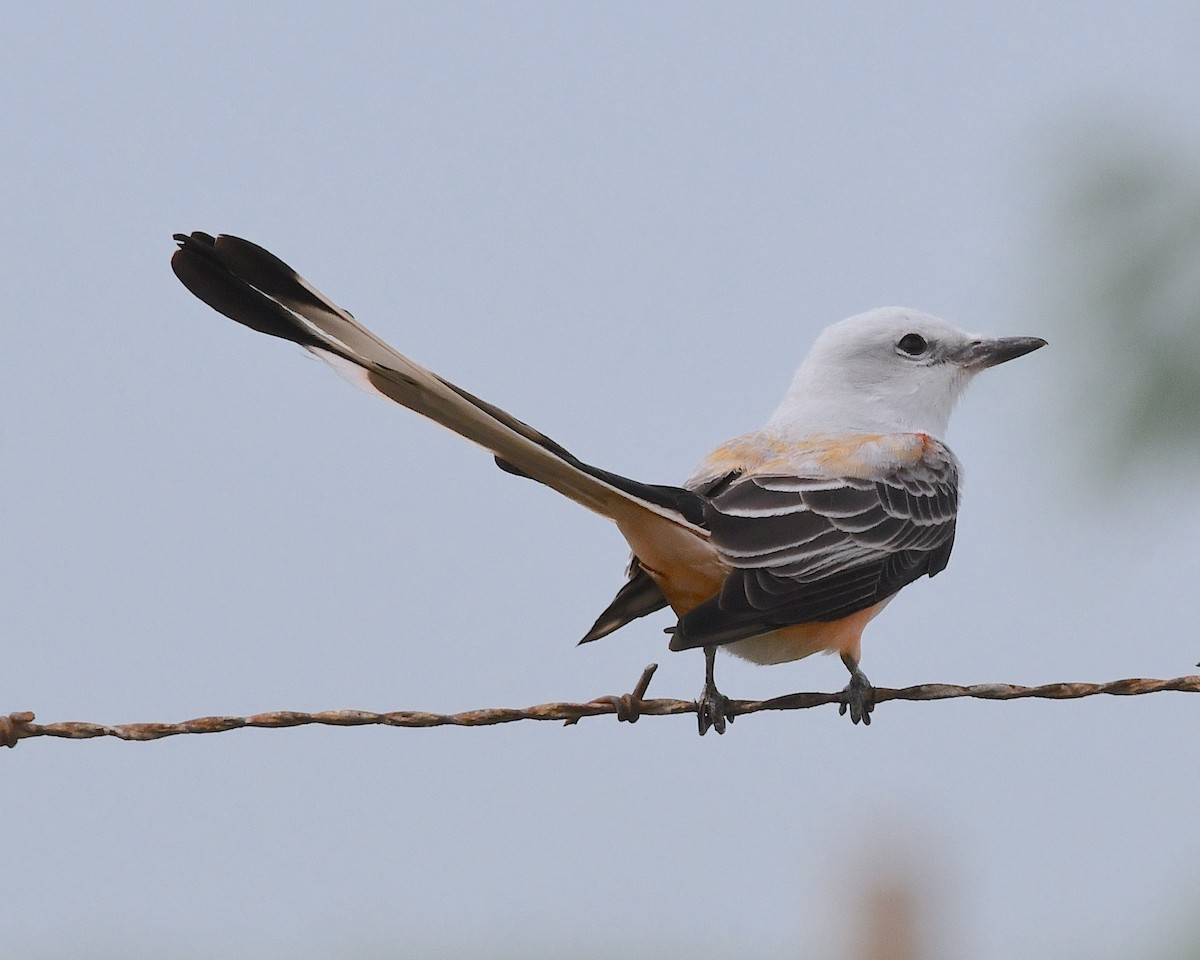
(625, 223)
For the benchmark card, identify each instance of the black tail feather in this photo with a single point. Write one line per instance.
(639, 597)
(204, 271)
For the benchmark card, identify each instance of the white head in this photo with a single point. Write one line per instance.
(891, 370)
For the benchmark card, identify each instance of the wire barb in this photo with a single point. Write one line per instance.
(628, 705)
(20, 726)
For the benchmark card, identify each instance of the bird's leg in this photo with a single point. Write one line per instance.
(858, 695)
(713, 708)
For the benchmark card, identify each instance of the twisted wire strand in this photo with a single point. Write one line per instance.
(21, 726)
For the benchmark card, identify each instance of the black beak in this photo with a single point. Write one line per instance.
(979, 354)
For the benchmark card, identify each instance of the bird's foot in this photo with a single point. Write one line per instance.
(858, 697)
(713, 709)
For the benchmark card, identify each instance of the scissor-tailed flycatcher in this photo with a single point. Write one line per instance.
(783, 543)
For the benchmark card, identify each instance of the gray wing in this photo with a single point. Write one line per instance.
(805, 550)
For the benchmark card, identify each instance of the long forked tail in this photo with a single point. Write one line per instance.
(254, 287)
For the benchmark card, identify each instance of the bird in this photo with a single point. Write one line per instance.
(784, 542)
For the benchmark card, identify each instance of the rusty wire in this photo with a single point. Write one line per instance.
(21, 725)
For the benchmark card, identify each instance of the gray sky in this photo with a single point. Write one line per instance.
(625, 225)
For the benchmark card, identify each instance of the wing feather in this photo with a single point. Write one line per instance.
(810, 550)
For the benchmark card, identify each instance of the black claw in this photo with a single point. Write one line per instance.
(713, 709)
(858, 697)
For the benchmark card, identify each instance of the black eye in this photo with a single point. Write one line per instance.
(913, 344)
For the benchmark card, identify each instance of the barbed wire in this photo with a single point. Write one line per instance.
(21, 726)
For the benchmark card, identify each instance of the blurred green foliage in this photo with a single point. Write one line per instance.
(1125, 265)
